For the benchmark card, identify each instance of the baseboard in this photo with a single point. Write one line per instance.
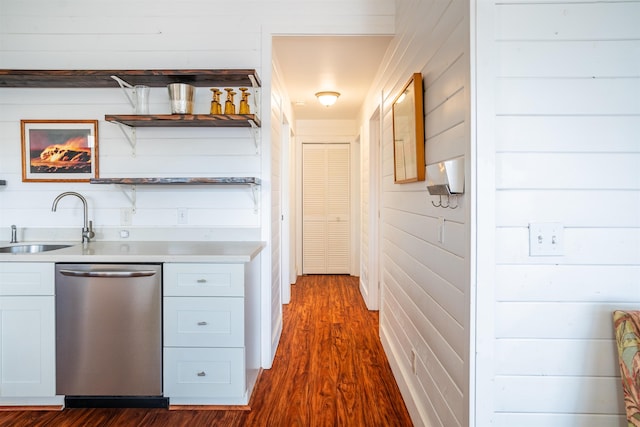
(32, 408)
(400, 374)
(116, 402)
(209, 408)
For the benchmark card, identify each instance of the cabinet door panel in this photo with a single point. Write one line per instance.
(26, 278)
(27, 346)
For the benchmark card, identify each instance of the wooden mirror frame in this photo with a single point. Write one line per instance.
(408, 133)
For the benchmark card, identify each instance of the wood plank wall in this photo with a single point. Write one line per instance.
(151, 34)
(275, 308)
(565, 132)
(426, 283)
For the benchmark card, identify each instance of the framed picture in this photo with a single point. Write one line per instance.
(408, 133)
(59, 150)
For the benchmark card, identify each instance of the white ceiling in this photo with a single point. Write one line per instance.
(345, 64)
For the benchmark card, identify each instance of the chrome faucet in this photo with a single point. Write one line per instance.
(87, 228)
(14, 234)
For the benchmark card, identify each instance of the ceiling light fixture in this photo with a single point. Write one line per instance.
(327, 98)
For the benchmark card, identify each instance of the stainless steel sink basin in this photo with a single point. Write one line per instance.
(31, 248)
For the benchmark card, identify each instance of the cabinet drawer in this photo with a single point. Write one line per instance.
(203, 322)
(203, 279)
(204, 372)
(26, 278)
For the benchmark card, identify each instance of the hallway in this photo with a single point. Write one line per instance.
(330, 370)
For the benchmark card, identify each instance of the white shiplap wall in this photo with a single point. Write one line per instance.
(561, 108)
(369, 211)
(367, 281)
(158, 34)
(425, 283)
(275, 307)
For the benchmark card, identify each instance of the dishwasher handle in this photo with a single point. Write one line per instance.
(107, 273)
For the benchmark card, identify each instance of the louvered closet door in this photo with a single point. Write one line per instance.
(326, 210)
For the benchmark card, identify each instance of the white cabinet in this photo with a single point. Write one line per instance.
(204, 322)
(198, 374)
(27, 332)
(26, 278)
(210, 340)
(197, 280)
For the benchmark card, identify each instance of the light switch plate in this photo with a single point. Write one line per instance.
(546, 239)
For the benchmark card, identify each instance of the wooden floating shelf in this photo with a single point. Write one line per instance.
(178, 181)
(185, 120)
(102, 78)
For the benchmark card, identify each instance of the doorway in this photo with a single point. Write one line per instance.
(304, 65)
(326, 209)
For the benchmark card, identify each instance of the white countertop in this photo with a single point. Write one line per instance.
(143, 251)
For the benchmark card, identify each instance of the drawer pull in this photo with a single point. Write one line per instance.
(202, 374)
(203, 323)
(201, 281)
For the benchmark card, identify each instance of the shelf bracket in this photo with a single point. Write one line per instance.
(123, 86)
(130, 134)
(254, 82)
(255, 132)
(131, 197)
(254, 195)
(256, 95)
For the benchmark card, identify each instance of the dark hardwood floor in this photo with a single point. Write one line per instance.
(330, 370)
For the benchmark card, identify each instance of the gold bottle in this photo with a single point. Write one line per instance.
(244, 103)
(229, 106)
(216, 108)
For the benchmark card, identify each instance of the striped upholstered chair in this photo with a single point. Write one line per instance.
(627, 329)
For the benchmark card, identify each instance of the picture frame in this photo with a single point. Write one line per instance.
(408, 133)
(59, 150)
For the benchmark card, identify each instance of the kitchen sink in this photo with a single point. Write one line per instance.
(31, 248)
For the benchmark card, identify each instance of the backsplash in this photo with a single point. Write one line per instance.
(73, 234)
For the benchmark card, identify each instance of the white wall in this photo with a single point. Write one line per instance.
(370, 155)
(72, 34)
(51, 35)
(558, 140)
(275, 307)
(288, 185)
(280, 291)
(558, 100)
(425, 283)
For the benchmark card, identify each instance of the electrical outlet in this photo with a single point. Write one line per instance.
(414, 368)
(182, 216)
(546, 239)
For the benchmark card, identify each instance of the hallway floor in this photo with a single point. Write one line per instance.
(329, 370)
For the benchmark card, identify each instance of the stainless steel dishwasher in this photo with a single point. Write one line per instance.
(109, 335)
